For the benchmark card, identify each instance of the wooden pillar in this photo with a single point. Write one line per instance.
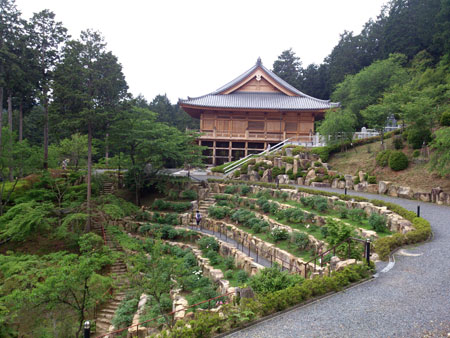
(230, 157)
(214, 153)
(246, 148)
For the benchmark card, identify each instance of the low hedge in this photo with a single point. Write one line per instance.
(209, 324)
(383, 246)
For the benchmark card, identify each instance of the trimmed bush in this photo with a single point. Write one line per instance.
(416, 153)
(219, 212)
(382, 158)
(377, 222)
(398, 161)
(190, 195)
(398, 142)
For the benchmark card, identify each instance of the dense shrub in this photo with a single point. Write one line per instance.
(208, 243)
(357, 215)
(219, 212)
(279, 234)
(445, 119)
(159, 204)
(189, 195)
(272, 279)
(242, 277)
(231, 189)
(378, 222)
(245, 189)
(323, 152)
(371, 180)
(300, 239)
(398, 142)
(398, 161)
(277, 171)
(416, 153)
(242, 216)
(382, 158)
(417, 136)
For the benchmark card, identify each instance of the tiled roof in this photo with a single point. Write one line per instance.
(259, 101)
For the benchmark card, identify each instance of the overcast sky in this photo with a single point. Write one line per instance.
(191, 48)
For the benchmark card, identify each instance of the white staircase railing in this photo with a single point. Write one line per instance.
(234, 166)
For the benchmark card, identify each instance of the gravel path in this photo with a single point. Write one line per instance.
(410, 300)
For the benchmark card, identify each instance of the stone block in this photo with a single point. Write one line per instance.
(372, 188)
(300, 181)
(267, 176)
(288, 152)
(405, 192)
(361, 187)
(295, 166)
(341, 185)
(422, 196)
(383, 187)
(361, 175)
(393, 191)
(320, 184)
(289, 166)
(435, 194)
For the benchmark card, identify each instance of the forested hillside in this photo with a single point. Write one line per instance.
(397, 67)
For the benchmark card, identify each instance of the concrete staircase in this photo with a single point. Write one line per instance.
(118, 272)
(107, 188)
(204, 205)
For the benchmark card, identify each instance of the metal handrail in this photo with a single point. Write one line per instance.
(230, 169)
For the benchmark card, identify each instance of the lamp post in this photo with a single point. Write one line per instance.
(87, 329)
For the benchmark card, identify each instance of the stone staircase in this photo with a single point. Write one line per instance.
(117, 271)
(107, 188)
(204, 206)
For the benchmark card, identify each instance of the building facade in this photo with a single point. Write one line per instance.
(255, 110)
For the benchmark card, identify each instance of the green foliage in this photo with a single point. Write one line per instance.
(279, 234)
(24, 220)
(418, 136)
(159, 204)
(277, 171)
(245, 189)
(208, 244)
(398, 143)
(440, 158)
(371, 180)
(398, 161)
(416, 153)
(190, 195)
(378, 222)
(445, 119)
(242, 277)
(231, 189)
(382, 157)
(123, 316)
(300, 239)
(338, 231)
(273, 279)
(218, 212)
(357, 215)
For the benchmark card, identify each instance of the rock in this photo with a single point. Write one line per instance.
(267, 176)
(311, 175)
(435, 194)
(254, 176)
(245, 292)
(320, 184)
(295, 167)
(300, 181)
(341, 184)
(244, 177)
(361, 187)
(202, 193)
(185, 219)
(342, 264)
(348, 181)
(194, 205)
(288, 152)
(305, 163)
(361, 176)
(333, 262)
(283, 179)
(392, 191)
(372, 188)
(269, 163)
(368, 233)
(383, 187)
(332, 173)
(422, 196)
(335, 183)
(289, 167)
(405, 192)
(443, 198)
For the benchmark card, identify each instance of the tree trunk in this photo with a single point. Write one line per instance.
(20, 121)
(10, 128)
(106, 149)
(89, 175)
(45, 133)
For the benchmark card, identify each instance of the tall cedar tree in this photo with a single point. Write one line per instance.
(47, 38)
(89, 86)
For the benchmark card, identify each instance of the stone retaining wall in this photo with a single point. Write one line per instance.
(314, 176)
(395, 222)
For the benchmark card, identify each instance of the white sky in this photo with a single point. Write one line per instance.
(192, 47)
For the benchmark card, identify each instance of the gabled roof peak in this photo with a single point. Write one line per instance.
(259, 62)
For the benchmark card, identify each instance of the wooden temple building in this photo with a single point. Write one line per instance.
(255, 110)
